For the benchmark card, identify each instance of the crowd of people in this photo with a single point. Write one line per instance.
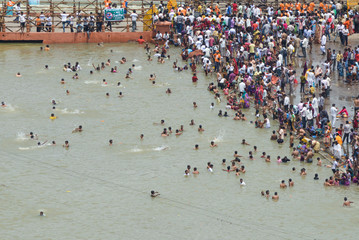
(255, 54)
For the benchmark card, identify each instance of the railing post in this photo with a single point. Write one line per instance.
(52, 12)
(74, 8)
(102, 19)
(28, 16)
(3, 17)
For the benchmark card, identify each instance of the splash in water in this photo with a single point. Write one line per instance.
(21, 136)
(161, 148)
(66, 111)
(219, 137)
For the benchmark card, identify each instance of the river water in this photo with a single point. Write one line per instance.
(97, 191)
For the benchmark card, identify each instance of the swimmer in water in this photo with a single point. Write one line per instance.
(110, 142)
(76, 76)
(196, 147)
(52, 116)
(53, 143)
(290, 182)
(213, 144)
(319, 163)
(118, 84)
(195, 171)
(228, 169)
(154, 194)
(47, 48)
(108, 63)
(46, 66)
(346, 202)
(244, 142)
(18, 74)
(242, 183)
(67, 92)
(104, 81)
(192, 123)
(303, 172)
(42, 214)
(282, 184)
(120, 95)
(164, 133)
(267, 158)
(40, 144)
(263, 155)
(275, 196)
(267, 194)
(178, 133)
(66, 145)
(168, 91)
(200, 128)
(142, 136)
(107, 94)
(62, 81)
(3, 104)
(78, 129)
(316, 176)
(236, 154)
(152, 77)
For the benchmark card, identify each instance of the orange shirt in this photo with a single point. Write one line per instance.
(297, 6)
(321, 5)
(107, 3)
(217, 57)
(287, 6)
(347, 24)
(281, 6)
(38, 21)
(311, 6)
(325, 7)
(10, 3)
(140, 41)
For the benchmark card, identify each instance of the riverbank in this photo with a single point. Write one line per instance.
(59, 37)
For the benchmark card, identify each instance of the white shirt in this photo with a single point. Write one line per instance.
(286, 101)
(22, 18)
(333, 111)
(241, 87)
(134, 16)
(64, 17)
(323, 41)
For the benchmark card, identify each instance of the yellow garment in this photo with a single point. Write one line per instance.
(172, 4)
(53, 118)
(147, 19)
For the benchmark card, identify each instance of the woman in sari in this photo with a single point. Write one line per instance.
(318, 33)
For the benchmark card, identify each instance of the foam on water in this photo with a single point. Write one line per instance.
(66, 111)
(89, 62)
(135, 60)
(161, 148)
(138, 68)
(21, 136)
(91, 82)
(219, 137)
(136, 150)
